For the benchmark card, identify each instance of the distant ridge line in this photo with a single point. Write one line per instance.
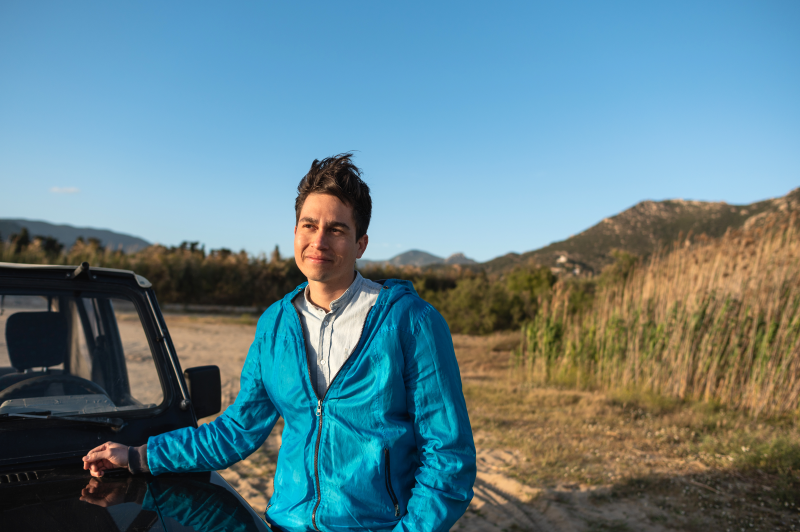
(67, 234)
(416, 257)
(641, 229)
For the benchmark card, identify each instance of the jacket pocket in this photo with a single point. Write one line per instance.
(389, 483)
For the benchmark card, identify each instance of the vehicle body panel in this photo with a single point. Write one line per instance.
(58, 500)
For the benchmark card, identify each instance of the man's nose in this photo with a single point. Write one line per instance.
(320, 240)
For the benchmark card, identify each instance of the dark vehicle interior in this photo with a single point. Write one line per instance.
(74, 352)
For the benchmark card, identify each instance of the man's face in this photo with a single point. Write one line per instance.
(325, 245)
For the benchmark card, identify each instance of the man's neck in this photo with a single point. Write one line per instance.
(322, 294)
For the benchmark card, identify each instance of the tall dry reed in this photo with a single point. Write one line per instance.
(714, 320)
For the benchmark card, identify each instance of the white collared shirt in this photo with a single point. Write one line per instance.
(331, 337)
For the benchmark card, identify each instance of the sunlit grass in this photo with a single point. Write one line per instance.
(715, 321)
(565, 436)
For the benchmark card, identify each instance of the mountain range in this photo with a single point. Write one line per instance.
(67, 234)
(639, 230)
(416, 257)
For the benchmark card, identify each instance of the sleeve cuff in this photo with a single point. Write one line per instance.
(137, 460)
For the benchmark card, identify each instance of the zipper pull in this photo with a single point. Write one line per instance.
(319, 407)
(397, 510)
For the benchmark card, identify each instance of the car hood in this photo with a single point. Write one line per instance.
(65, 500)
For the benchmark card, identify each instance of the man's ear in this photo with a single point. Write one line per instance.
(362, 245)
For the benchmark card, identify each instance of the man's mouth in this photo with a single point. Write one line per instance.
(314, 258)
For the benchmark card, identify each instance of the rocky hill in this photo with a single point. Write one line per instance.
(642, 229)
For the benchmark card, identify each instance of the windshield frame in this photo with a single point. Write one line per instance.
(95, 289)
(53, 443)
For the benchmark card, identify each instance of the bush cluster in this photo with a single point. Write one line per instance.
(185, 274)
(471, 301)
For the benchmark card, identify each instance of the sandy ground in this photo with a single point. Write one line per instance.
(500, 503)
(682, 494)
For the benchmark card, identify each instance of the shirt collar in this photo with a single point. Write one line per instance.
(343, 299)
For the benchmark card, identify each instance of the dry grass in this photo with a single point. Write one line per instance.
(716, 320)
(696, 464)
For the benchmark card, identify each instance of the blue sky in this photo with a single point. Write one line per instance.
(482, 128)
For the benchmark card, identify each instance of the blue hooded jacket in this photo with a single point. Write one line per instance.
(389, 446)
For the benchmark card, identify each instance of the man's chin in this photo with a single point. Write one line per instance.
(324, 274)
(318, 274)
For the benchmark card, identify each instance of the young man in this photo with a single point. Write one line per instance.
(376, 433)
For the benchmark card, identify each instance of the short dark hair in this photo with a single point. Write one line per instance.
(337, 176)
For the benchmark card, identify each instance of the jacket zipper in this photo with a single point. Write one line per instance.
(316, 461)
(389, 484)
(319, 411)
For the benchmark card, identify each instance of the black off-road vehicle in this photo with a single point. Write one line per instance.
(87, 358)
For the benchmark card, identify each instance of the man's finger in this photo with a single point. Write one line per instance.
(97, 449)
(96, 456)
(100, 448)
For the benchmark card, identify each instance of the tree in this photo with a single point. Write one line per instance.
(48, 244)
(20, 241)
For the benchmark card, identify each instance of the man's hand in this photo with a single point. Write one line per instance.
(110, 455)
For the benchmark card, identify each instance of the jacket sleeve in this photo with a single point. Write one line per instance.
(443, 488)
(233, 436)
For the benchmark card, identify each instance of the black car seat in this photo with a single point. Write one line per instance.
(36, 341)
